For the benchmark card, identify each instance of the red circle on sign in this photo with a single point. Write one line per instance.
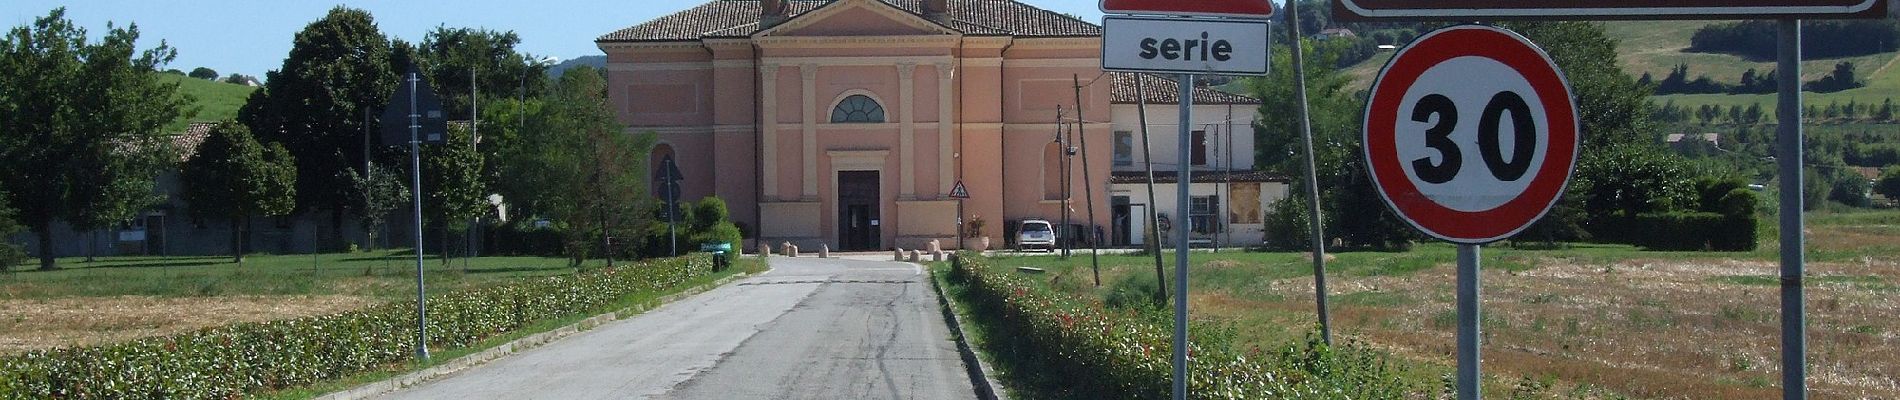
(1381, 134)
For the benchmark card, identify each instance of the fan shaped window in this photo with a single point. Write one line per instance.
(857, 109)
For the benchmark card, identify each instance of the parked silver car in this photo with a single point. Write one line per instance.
(1036, 234)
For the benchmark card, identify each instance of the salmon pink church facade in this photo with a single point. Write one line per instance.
(846, 123)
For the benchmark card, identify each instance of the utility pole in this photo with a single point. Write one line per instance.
(1312, 175)
(1154, 219)
(1062, 165)
(1088, 182)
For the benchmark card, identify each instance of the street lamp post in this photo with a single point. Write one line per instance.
(522, 106)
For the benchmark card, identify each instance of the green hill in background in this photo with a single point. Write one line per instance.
(1656, 47)
(215, 101)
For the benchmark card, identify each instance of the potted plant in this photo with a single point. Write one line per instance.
(974, 230)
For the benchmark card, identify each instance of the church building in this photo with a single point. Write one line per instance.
(847, 123)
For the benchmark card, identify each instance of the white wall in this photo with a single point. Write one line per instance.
(1163, 128)
(1165, 196)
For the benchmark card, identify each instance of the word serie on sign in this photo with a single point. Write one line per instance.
(1185, 45)
(1184, 49)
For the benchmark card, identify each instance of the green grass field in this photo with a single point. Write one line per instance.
(1588, 321)
(215, 101)
(379, 274)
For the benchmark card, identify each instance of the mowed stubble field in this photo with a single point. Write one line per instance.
(114, 299)
(1590, 321)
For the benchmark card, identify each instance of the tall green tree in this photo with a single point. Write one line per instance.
(1335, 113)
(452, 185)
(337, 76)
(203, 73)
(452, 57)
(580, 167)
(10, 253)
(234, 178)
(1612, 106)
(1889, 183)
(80, 125)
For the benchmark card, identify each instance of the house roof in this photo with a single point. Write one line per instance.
(737, 18)
(1161, 90)
(186, 143)
(1131, 177)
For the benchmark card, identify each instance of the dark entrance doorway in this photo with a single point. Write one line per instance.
(1122, 219)
(858, 220)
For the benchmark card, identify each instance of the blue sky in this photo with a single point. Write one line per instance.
(250, 37)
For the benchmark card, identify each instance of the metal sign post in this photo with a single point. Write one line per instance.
(1317, 223)
(415, 171)
(1794, 339)
(960, 193)
(1182, 168)
(1435, 134)
(427, 125)
(1469, 362)
(670, 177)
(1788, 108)
(1184, 39)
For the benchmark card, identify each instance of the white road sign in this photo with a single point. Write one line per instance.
(1184, 45)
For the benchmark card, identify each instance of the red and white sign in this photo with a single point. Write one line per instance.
(1471, 133)
(1259, 9)
(1466, 10)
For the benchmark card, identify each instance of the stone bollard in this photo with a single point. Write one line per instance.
(897, 254)
(916, 256)
(824, 250)
(936, 246)
(786, 249)
(765, 250)
(936, 255)
(794, 250)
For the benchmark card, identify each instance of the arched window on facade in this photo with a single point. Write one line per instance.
(1052, 171)
(857, 109)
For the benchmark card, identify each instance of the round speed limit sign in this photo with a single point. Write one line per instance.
(1471, 133)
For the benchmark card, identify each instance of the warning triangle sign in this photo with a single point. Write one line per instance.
(960, 192)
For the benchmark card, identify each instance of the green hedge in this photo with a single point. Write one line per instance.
(1694, 231)
(1091, 352)
(231, 361)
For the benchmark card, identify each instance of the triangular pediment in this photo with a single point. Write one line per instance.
(858, 18)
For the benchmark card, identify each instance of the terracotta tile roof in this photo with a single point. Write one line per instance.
(1162, 90)
(737, 18)
(1126, 177)
(186, 144)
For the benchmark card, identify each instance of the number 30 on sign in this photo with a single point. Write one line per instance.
(1471, 134)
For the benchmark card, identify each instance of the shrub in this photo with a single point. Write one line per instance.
(10, 254)
(231, 361)
(1287, 227)
(1694, 231)
(1089, 352)
(1133, 291)
(723, 232)
(523, 239)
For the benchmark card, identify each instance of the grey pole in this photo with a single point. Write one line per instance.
(1186, 97)
(1794, 340)
(1154, 219)
(1062, 162)
(475, 131)
(1312, 174)
(1088, 185)
(415, 171)
(1468, 360)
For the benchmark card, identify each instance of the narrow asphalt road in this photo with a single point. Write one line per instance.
(809, 329)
